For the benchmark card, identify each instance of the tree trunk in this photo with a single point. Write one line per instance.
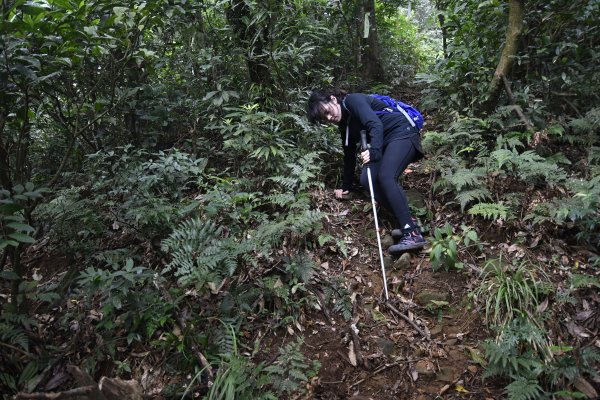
(441, 6)
(372, 68)
(511, 45)
(258, 70)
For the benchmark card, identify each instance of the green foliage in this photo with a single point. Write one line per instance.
(403, 48)
(74, 221)
(239, 378)
(522, 353)
(524, 389)
(519, 353)
(14, 228)
(200, 254)
(341, 298)
(445, 246)
(125, 300)
(143, 189)
(291, 369)
(491, 211)
(508, 290)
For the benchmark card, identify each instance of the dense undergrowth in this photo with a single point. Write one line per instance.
(155, 203)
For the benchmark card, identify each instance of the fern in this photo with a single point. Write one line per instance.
(291, 369)
(341, 244)
(466, 178)
(199, 254)
(468, 196)
(492, 211)
(15, 336)
(594, 155)
(585, 128)
(301, 268)
(337, 294)
(524, 389)
(528, 165)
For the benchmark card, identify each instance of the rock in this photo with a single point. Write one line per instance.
(447, 374)
(425, 367)
(425, 297)
(403, 262)
(386, 241)
(436, 330)
(119, 389)
(387, 346)
(388, 261)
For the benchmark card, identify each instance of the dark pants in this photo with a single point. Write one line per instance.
(385, 172)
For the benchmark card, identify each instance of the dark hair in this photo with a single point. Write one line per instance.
(318, 98)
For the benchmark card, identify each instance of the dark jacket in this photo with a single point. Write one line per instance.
(358, 113)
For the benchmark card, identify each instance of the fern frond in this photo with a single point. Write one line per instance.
(199, 254)
(524, 389)
(468, 196)
(466, 177)
(492, 211)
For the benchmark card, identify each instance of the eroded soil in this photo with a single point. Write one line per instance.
(422, 343)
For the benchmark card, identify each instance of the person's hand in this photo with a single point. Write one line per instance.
(365, 156)
(340, 193)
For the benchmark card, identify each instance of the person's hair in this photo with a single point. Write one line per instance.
(318, 98)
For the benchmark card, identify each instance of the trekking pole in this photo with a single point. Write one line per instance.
(363, 145)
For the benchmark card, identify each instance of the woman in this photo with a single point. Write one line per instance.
(394, 143)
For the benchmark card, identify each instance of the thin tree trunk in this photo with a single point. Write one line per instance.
(441, 6)
(372, 69)
(511, 46)
(258, 70)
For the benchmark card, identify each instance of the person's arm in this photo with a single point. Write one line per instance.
(349, 161)
(359, 106)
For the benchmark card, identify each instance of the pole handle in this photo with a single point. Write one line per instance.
(363, 140)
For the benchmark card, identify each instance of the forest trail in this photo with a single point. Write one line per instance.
(422, 343)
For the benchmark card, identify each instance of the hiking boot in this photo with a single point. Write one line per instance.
(412, 240)
(398, 234)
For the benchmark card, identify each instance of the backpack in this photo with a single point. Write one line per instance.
(412, 114)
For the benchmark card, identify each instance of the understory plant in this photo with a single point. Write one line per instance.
(508, 290)
(445, 246)
(238, 377)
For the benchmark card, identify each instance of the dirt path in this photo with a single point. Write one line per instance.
(421, 344)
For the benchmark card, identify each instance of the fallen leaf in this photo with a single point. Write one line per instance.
(414, 375)
(576, 330)
(583, 315)
(585, 387)
(351, 354)
(477, 356)
(543, 306)
(460, 389)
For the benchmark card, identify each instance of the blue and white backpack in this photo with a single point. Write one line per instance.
(412, 114)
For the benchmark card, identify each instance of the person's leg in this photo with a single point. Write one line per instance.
(396, 157)
(364, 181)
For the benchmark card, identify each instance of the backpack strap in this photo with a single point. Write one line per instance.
(410, 120)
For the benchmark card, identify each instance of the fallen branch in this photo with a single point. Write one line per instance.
(407, 319)
(357, 351)
(378, 370)
(80, 391)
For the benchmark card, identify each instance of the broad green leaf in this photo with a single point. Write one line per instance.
(9, 275)
(20, 227)
(21, 237)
